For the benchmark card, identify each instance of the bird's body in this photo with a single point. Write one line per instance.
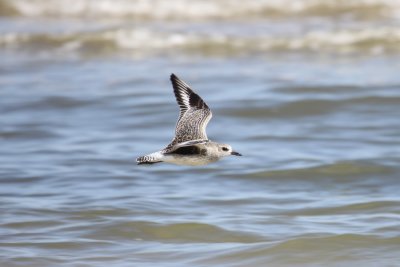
(190, 145)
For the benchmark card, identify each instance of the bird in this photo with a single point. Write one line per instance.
(190, 146)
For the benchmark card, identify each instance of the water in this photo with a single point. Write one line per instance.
(307, 91)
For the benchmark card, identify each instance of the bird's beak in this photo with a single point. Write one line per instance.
(235, 153)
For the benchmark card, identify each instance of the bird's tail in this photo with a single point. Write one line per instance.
(150, 159)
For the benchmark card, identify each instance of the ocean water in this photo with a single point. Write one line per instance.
(308, 91)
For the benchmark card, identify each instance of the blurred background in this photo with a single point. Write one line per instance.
(307, 90)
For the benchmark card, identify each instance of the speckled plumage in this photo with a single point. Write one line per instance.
(194, 114)
(190, 145)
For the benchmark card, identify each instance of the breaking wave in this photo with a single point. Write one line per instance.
(205, 27)
(198, 9)
(142, 40)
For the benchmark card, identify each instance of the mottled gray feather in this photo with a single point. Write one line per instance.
(194, 115)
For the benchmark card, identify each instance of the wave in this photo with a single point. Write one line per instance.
(174, 232)
(338, 170)
(332, 250)
(369, 207)
(145, 40)
(307, 105)
(198, 9)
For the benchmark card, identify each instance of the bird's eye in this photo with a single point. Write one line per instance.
(225, 149)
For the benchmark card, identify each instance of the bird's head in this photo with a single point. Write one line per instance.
(226, 150)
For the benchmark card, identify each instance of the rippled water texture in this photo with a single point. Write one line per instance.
(307, 91)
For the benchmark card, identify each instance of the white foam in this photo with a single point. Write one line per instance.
(199, 9)
(149, 40)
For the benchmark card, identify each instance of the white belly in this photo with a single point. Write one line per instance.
(188, 160)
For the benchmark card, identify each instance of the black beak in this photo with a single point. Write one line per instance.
(235, 153)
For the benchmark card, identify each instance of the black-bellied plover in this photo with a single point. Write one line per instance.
(191, 145)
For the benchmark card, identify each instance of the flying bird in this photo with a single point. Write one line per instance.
(190, 145)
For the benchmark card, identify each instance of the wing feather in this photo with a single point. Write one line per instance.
(194, 114)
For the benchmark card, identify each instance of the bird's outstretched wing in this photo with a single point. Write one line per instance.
(194, 114)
